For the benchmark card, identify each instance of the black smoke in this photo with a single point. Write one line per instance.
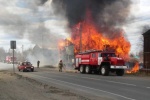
(106, 14)
(43, 1)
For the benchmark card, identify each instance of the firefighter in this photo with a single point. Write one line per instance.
(60, 65)
(38, 64)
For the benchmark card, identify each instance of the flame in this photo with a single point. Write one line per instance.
(85, 36)
(61, 45)
(134, 69)
(64, 42)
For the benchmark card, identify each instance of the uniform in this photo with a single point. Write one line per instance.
(60, 65)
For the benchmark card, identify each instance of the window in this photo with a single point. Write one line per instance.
(108, 55)
(99, 55)
(93, 55)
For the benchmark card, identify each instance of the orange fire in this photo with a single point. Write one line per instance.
(85, 36)
(134, 69)
(61, 44)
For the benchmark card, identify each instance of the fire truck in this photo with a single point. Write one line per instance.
(102, 62)
(9, 59)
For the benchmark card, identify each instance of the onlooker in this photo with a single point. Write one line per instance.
(38, 64)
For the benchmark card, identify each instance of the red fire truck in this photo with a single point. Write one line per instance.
(9, 60)
(101, 62)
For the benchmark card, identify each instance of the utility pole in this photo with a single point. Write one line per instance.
(89, 35)
(80, 42)
(42, 52)
(22, 53)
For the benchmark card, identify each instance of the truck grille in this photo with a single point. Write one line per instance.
(120, 62)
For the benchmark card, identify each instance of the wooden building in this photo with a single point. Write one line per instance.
(146, 53)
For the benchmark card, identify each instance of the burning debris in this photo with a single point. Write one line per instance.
(135, 69)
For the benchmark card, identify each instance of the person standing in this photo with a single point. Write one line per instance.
(60, 65)
(38, 64)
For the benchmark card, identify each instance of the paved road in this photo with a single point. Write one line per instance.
(114, 87)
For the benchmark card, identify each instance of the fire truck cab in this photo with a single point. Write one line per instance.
(101, 62)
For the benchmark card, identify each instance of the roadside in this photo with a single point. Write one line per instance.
(17, 87)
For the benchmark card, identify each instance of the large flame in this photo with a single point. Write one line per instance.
(134, 69)
(85, 36)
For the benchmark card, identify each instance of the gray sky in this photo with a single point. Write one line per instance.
(30, 22)
(25, 20)
(135, 27)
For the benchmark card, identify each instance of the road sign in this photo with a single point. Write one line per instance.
(13, 44)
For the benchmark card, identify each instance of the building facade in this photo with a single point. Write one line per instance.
(146, 52)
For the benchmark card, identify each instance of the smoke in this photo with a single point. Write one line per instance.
(108, 15)
(44, 22)
(34, 20)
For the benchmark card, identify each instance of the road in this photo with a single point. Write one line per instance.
(110, 87)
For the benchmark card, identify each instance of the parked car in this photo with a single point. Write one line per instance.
(25, 66)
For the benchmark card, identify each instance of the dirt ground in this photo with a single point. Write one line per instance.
(17, 87)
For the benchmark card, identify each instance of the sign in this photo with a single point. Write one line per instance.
(13, 44)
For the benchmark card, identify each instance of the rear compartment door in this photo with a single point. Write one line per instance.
(93, 59)
(99, 58)
(77, 62)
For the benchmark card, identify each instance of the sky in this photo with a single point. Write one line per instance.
(138, 25)
(25, 20)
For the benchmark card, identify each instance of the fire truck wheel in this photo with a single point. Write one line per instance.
(88, 69)
(120, 72)
(82, 69)
(105, 70)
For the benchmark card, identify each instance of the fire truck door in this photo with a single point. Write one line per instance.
(93, 59)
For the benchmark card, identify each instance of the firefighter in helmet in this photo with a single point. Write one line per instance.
(60, 65)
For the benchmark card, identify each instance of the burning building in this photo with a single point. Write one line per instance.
(95, 24)
(66, 51)
(147, 49)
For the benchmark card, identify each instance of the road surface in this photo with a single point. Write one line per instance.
(111, 87)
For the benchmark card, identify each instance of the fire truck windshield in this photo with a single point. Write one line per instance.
(108, 55)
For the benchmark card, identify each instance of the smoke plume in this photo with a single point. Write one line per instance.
(35, 21)
(108, 15)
